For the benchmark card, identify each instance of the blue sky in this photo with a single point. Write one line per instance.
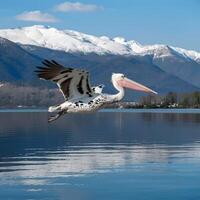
(172, 22)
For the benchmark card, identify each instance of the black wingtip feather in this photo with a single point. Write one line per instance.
(47, 61)
(53, 61)
(40, 68)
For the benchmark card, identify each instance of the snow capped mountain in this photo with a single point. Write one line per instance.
(164, 69)
(73, 41)
(67, 40)
(188, 53)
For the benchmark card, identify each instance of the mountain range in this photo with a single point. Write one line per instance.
(163, 68)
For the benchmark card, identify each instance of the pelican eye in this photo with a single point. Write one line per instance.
(123, 76)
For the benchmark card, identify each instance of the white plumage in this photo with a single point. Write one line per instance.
(98, 89)
(79, 95)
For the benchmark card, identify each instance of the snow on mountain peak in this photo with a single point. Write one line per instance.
(120, 40)
(73, 41)
(188, 53)
(67, 40)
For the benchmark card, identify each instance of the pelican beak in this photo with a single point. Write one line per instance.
(127, 83)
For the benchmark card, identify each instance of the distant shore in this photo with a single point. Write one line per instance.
(118, 105)
(124, 105)
(110, 110)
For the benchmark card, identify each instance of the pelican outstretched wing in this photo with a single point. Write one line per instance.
(73, 83)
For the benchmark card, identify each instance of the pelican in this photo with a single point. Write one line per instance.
(78, 94)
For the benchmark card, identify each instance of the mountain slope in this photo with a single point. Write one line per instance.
(160, 67)
(184, 64)
(139, 68)
(16, 64)
(68, 41)
(184, 68)
(73, 41)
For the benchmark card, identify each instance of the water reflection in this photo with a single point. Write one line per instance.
(33, 152)
(172, 117)
(37, 166)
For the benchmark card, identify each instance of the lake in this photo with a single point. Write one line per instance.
(108, 155)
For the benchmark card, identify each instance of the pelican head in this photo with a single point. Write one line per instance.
(120, 81)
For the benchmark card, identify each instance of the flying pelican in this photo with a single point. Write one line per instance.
(79, 95)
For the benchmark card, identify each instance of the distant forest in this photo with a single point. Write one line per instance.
(12, 96)
(28, 96)
(172, 99)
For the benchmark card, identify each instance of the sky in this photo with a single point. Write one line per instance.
(172, 22)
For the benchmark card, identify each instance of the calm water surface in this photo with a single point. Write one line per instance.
(100, 156)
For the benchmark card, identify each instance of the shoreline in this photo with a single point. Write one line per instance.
(119, 110)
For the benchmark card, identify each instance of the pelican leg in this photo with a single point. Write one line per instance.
(55, 117)
(54, 108)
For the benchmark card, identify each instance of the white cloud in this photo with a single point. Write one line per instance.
(77, 6)
(36, 16)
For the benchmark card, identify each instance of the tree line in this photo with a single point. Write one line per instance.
(30, 96)
(172, 99)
